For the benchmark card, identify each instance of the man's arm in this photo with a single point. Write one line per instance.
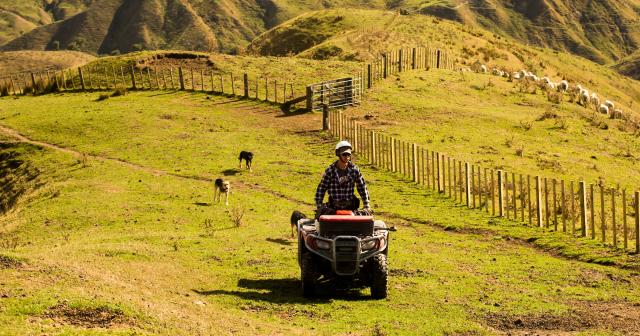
(322, 189)
(362, 189)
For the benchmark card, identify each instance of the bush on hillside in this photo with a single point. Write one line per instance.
(327, 51)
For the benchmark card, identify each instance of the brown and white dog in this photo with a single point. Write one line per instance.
(221, 186)
(295, 217)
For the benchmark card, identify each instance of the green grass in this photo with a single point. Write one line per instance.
(144, 238)
(485, 120)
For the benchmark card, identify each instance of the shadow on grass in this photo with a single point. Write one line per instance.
(280, 241)
(287, 291)
(230, 172)
(203, 204)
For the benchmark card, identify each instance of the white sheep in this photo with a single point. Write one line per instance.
(604, 109)
(483, 68)
(495, 72)
(563, 86)
(617, 114)
(610, 104)
(595, 101)
(583, 97)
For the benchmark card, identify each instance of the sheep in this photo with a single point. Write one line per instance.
(595, 101)
(550, 85)
(604, 109)
(563, 86)
(617, 114)
(610, 104)
(583, 97)
(516, 75)
(523, 73)
(496, 72)
(483, 68)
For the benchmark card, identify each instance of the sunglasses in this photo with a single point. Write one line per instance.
(345, 154)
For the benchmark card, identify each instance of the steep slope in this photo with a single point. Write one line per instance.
(602, 31)
(629, 66)
(20, 17)
(25, 60)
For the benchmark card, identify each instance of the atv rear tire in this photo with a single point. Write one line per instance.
(308, 275)
(379, 274)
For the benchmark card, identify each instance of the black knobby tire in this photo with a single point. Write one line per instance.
(308, 275)
(379, 274)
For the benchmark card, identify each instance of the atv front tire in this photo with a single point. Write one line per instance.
(379, 274)
(308, 275)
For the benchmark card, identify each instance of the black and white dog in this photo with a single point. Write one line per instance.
(295, 217)
(247, 157)
(221, 186)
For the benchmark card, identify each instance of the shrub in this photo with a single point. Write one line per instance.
(525, 125)
(236, 214)
(548, 114)
(119, 91)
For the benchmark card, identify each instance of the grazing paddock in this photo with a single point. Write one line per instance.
(120, 232)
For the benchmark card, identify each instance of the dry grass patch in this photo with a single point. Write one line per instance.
(89, 317)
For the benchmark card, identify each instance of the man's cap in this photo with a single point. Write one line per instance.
(345, 150)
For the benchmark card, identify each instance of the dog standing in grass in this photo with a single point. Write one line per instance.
(247, 157)
(295, 217)
(221, 186)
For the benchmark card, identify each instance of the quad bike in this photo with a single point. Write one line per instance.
(346, 248)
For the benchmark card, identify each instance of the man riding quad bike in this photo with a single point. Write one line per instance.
(345, 248)
(343, 243)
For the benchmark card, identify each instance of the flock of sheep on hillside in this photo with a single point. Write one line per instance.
(583, 96)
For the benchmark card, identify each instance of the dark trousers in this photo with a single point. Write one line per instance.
(331, 207)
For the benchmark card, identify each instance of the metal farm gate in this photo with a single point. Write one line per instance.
(335, 93)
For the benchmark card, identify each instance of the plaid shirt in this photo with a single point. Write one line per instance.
(342, 192)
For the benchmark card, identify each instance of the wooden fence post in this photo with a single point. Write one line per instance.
(82, 79)
(602, 214)
(438, 172)
(373, 147)
(473, 185)
(613, 217)
(368, 76)
(385, 61)
(438, 59)
(325, 117)
(546, 202)
(33, 80)
(466, 184)
(555, 209)
(563, 206)
(393, 155)
(309, 97)
(593, 212)
(181, 78)
(413, 58)
(414, 155)
(637, 211)
(245, 79)
(583, 208)
(538, 202)
(624, 219)
(500, 194)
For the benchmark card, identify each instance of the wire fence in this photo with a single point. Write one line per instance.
(92, 78)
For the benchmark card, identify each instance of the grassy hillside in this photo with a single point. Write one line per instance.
(341, 36)
(18, 61)
(19, 17)
(121, 235)
(630, 66)
(603, 31)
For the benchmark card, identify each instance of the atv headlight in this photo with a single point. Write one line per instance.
(369, 245)
(323, 245)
